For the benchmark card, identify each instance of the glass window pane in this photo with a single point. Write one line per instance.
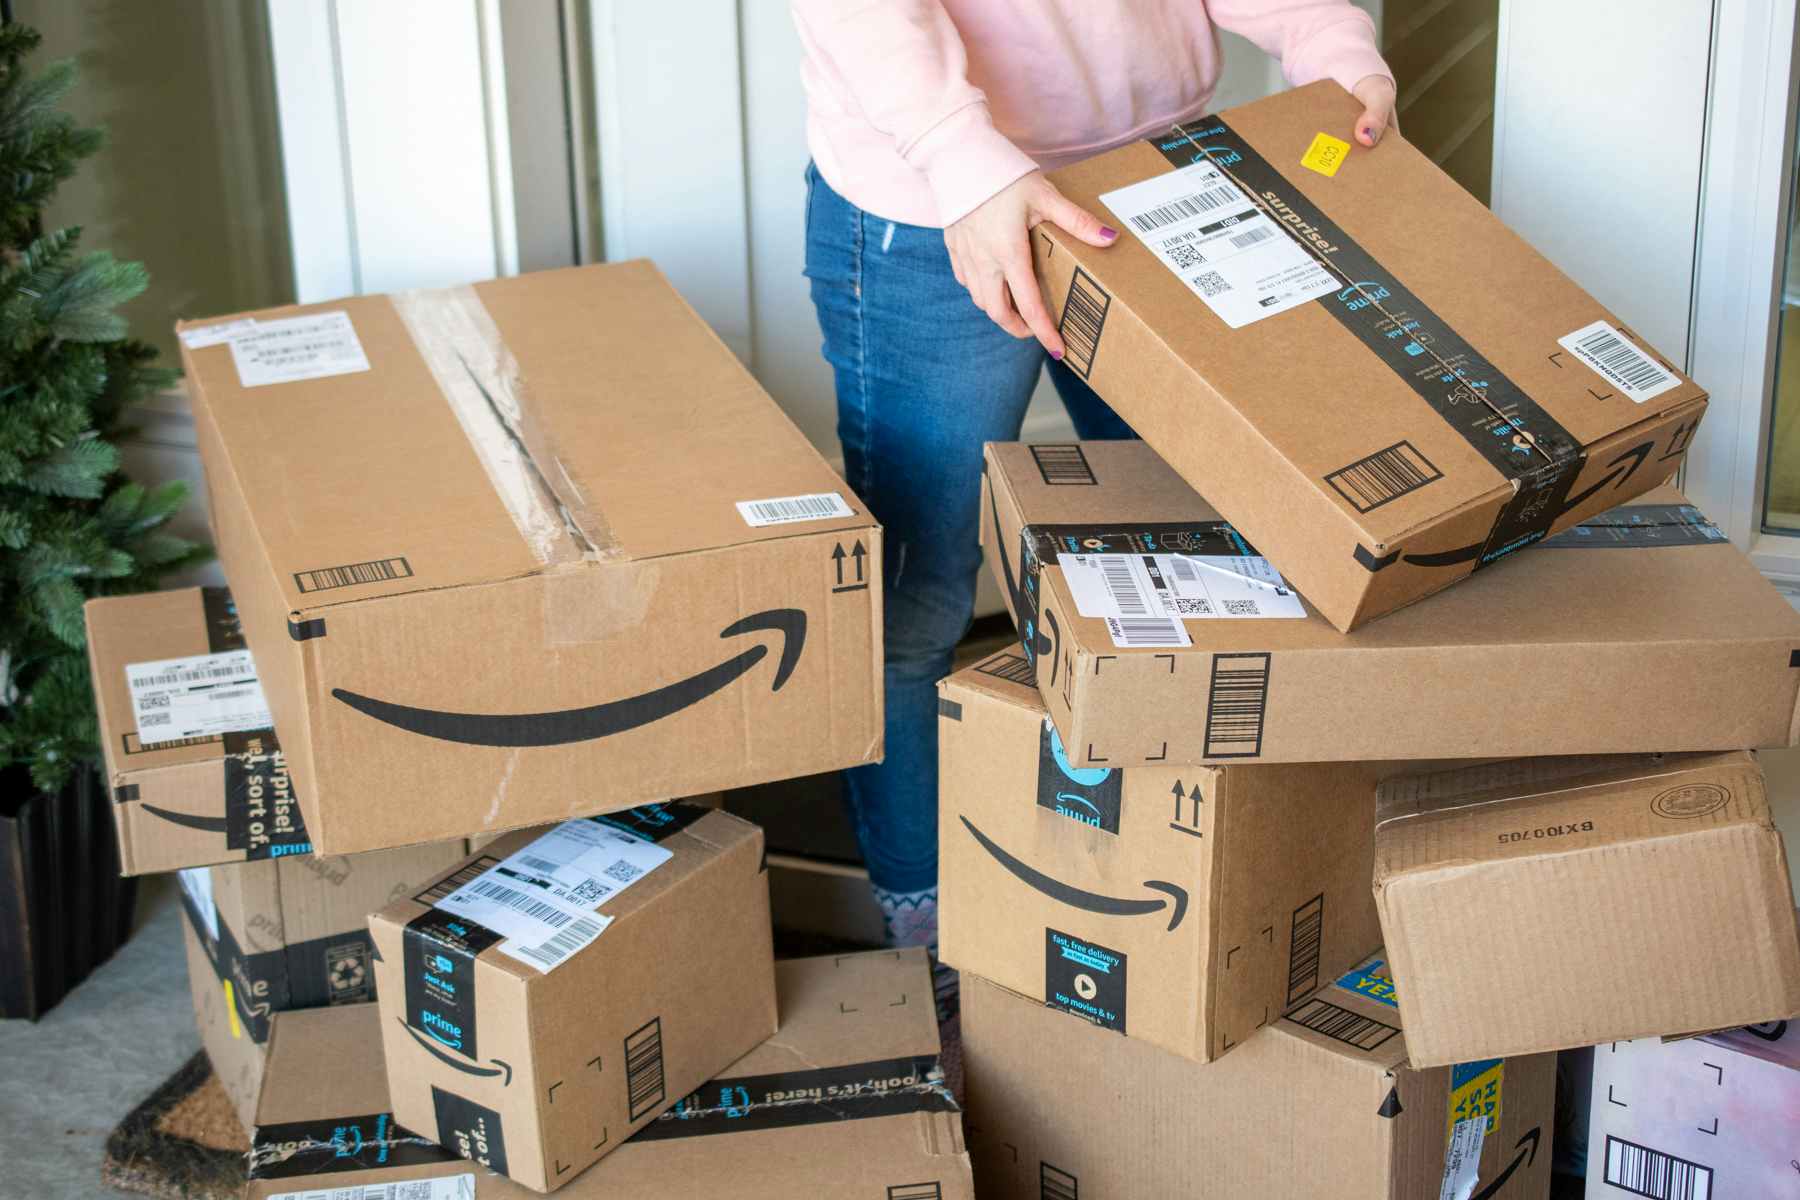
(189, 182)
(1781, 509)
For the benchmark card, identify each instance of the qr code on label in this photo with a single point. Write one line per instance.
(1242, 608)
(1191, 606)
(624, 872)
(1211, 283)
(1183, 254)
(588, 891)
(153, 701)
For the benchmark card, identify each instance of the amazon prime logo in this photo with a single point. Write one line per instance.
(1090, 795)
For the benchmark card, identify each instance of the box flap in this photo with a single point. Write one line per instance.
(1355, 1016)
(502, 429)
(141, 628)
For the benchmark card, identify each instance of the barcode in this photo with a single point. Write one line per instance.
(783, 510)
(644, 1068)
(191, 676)
(381, 570)
(1146, 631)
(1116, 572)
(539, 864)
(916, 1191)
(136, 745)
(406, 1189)
(536, 909)
(1251, 236)
(623, 871)
(1196, 204)
(1083, 317)
(1308, 929)
(454, 881)
(1646, 1172)
(1062, 464)
(1211, 284)
(1057, 1184)
(1341, 1025)
(155, 718)
(1010, 667)
(1606, 350)
(580, 932)
(1185, 571)
(1235, 705)
(1368, 483)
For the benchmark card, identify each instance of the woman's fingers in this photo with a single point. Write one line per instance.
(990, 296)
(1029, 301)
(1052, 205)
(1377, 94)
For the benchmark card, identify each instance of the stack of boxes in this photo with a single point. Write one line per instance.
(1341, 858)
(513, 568)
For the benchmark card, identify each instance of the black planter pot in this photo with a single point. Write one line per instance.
(63, 907)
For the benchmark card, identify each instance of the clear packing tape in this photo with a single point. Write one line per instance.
(491, 398)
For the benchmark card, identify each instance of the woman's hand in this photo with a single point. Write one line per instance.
(990, 252)
(1377, 94)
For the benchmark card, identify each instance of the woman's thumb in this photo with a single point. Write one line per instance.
(1052, 205)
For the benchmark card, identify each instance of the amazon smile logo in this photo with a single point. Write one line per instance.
(501, 1066)
(1174, 898)
(568, 725)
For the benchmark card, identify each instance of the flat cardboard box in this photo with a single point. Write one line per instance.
(1186, 906)
(541, 1004)
(286, 934)
(1643, 630)
(195, 801)
(1539, 904)
(1422, 393)
(504, 546)
(1321, 1103)
(847, 1101)
(1699, 1118)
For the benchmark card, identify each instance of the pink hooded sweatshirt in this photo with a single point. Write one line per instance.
(920, 110)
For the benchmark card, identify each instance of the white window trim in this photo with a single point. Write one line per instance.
(1740, 248)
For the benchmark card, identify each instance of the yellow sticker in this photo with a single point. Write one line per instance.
(237, 1030)
(1326, 154)
(1475, 1091)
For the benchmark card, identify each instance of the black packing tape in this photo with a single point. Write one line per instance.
(262, 817)
(822, 1095)
(1503, 424)
(1640, 527)
(439, 950)
(327, 1147)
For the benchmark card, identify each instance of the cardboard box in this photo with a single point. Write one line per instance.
(554, 994)
(1641, 630)
(527, 547)
(1187, 906)
(1697, 1119)
(824, 898)
(847, 1101)
(1600, 873)
(1321, 1103)
(210, 797)
(284, 934)
(1377, 382)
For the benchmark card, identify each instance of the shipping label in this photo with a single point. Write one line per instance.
(201, 695)
(315, 346)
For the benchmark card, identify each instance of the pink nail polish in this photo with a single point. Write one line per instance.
(1108, 232)
(1056, 354)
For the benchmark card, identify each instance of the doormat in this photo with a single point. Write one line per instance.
(184, 1142)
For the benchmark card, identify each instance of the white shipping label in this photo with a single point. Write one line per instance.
(1619, 361)
(445, 1187)
(543, 898)
(200, 696)
(197, 883)
(1183, 586)
(1462, 1161)
(294, 348)
(786, 510)
(1228, 251)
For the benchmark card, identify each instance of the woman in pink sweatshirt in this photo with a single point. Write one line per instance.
(930, 124)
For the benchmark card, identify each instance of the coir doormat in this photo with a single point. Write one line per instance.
(184, 1142)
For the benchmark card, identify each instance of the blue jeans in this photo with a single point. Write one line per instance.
(923, 379)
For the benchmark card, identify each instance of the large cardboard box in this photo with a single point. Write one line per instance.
(848, 1101)
(1641, 630)
(284, 934)
(526, 548)
(215, 792)
(1697, 1119)
(1597, 874)
(1321, 1103)
(554, 994)
(1186, 906)
(1377, 382)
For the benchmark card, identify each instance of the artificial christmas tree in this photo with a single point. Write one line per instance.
(71, 527)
